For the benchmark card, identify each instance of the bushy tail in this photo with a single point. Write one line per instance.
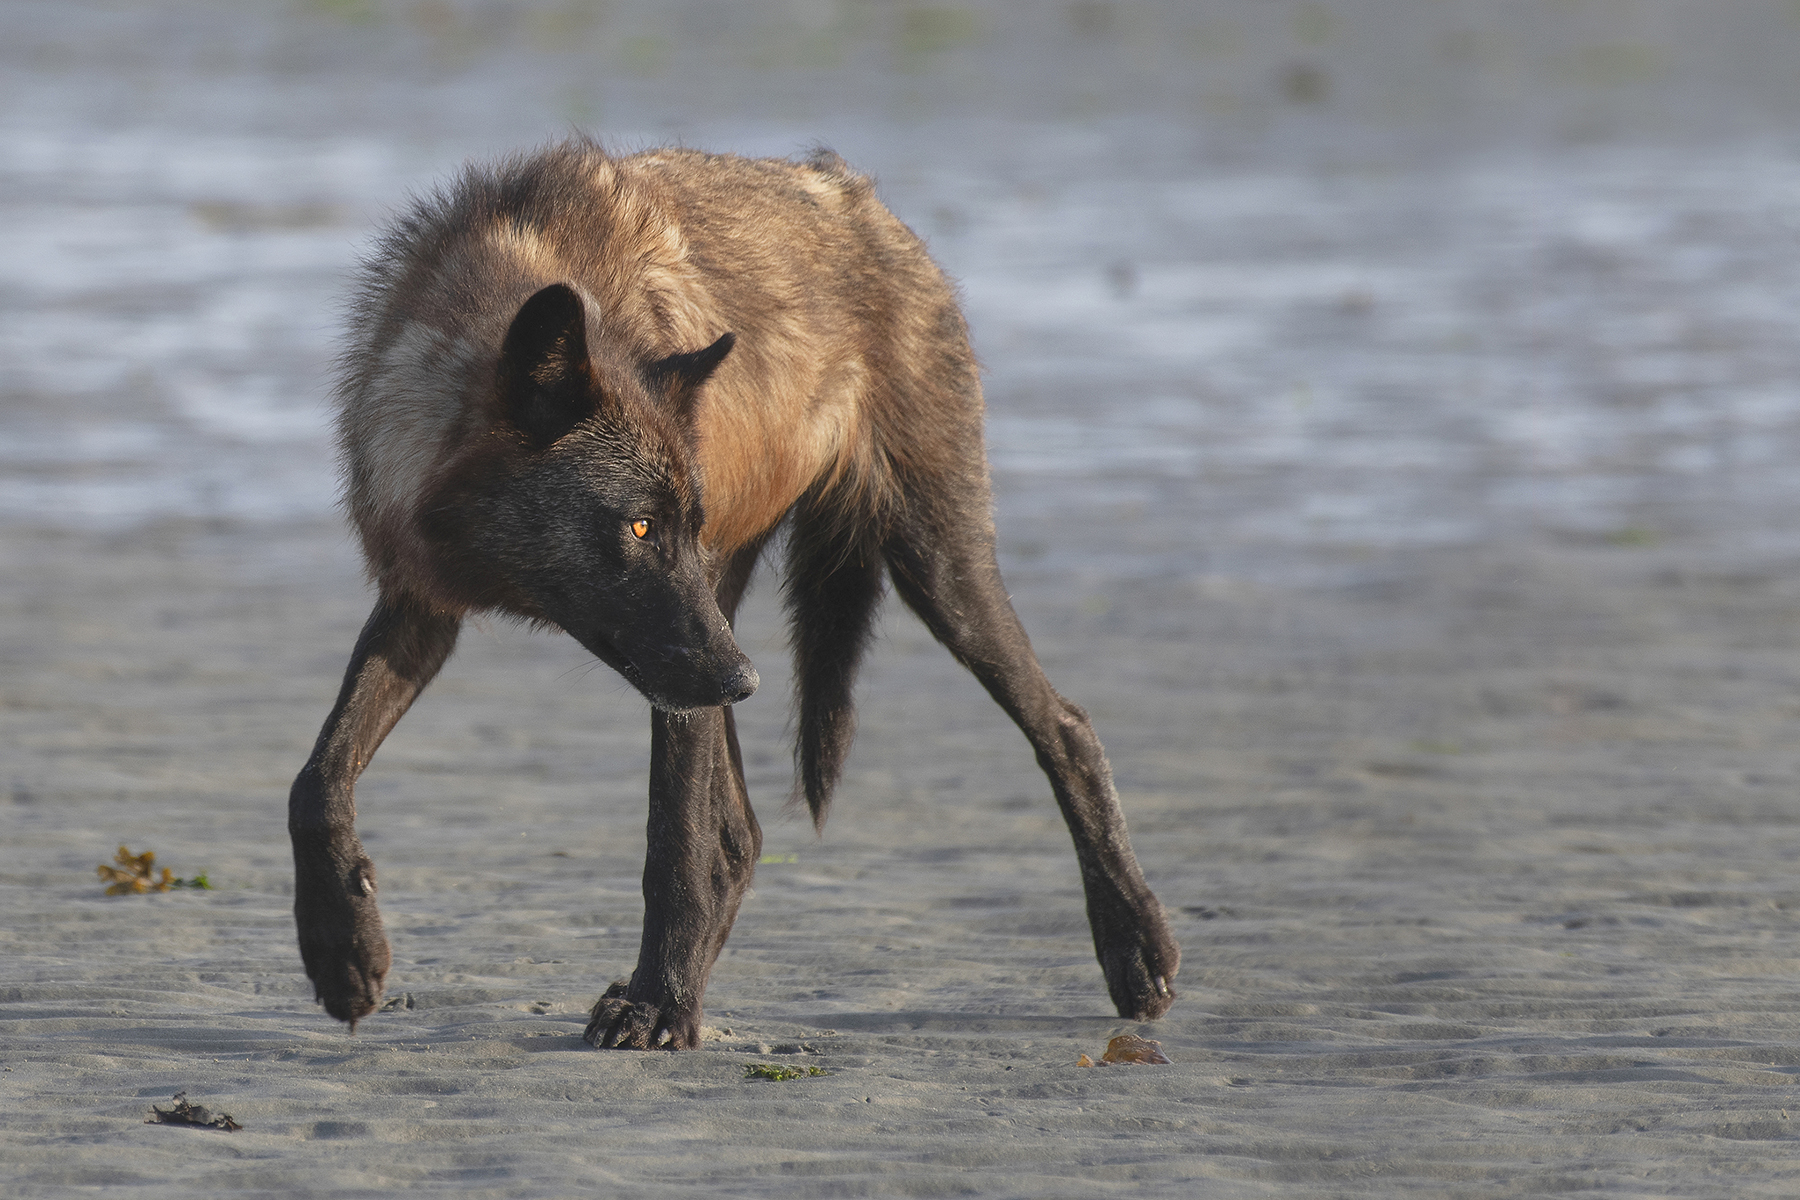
(834, 583)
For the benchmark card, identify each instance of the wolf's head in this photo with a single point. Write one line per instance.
(574, 502)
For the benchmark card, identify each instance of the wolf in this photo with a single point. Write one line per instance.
(587, 390)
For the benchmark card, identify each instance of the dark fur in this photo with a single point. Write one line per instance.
(568, 344)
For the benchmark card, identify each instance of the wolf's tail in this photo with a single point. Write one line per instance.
(834, 583)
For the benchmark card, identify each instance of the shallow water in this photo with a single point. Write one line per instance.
(1318, 324)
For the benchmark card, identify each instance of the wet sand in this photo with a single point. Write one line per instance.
(1482, 869)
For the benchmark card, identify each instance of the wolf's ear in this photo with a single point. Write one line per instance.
(546, 382)
(679, 376)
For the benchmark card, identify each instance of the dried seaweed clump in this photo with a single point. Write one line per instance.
(191, 1114)
(1128, 1048)
(136, 873)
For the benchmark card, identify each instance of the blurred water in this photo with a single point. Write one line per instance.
(1305, 278)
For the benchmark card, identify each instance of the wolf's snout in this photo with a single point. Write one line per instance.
(739, 684)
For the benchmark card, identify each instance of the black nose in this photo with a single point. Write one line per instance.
(739, 684)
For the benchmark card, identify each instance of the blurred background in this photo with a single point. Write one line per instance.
(1264, 288)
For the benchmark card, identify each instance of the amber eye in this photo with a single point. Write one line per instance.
(640, 528)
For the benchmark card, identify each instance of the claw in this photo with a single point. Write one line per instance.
(618, 1023)
(1162, 986)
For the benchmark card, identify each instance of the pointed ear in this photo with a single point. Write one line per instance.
(546, 383)
(679, 376)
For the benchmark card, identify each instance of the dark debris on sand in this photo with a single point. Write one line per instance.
(190, 1114)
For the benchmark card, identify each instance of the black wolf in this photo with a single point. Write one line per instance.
(584, 391)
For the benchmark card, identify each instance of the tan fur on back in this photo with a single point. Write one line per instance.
(669, 249)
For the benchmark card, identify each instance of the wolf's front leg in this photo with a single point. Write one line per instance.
(703, 845)
(341, 939)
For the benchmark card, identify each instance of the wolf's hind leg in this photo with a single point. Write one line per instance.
(341, 938)
(941, 559)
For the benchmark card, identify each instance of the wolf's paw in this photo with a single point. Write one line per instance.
(1140, 966)
(342, 941)
(618, 1023)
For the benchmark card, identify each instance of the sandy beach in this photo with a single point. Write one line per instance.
(1483, 875)
(1393, 423)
